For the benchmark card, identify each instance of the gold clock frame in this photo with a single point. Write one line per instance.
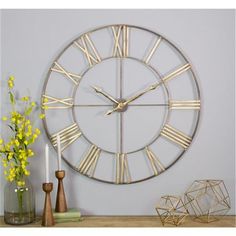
(121, 53)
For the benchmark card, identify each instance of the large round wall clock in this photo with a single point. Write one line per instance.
(125, 102)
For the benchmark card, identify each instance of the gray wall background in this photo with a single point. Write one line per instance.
(30, 39)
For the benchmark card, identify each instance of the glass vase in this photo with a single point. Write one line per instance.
(19, 203)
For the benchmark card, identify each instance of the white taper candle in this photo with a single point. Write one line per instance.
(59, 151)
(47, 163)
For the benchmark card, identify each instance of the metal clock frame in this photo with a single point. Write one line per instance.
(149, 67)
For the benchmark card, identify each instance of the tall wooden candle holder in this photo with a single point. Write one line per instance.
(61, 205)
(48, 219)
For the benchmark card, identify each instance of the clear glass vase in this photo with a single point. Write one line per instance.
(19, 203)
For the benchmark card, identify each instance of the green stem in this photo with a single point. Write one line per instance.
(20, 193)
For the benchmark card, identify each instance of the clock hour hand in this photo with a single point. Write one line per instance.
(99, 90)
(121, 105)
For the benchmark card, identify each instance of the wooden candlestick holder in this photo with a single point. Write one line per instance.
(48, 219)
(61, 205)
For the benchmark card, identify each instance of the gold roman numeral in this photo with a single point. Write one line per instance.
(152, 51)
(67, 136)
(57, 103)
(176, 136)
(121, 41)
(86, 45)
(155, 163)
(177, 72)
(122, 169)
(89, 163)
(59, 69)
(192, 104)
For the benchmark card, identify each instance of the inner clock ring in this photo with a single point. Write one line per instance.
(122, 111)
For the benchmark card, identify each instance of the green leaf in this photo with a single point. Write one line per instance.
(12, 99)
(11, 128)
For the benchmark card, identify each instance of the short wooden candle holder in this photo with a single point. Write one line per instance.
(61, 205)
(48, 219)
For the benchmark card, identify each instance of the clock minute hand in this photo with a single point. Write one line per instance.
(99, 90)
(120, 105)
(152, 87)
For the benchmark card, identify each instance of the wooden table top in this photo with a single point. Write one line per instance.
(130, 221)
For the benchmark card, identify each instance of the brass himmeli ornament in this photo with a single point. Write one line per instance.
(171, 210)
(207, 200)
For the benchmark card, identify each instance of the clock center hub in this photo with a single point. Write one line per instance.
(121, 107)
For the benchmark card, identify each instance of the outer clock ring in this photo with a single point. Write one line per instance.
(168, 113)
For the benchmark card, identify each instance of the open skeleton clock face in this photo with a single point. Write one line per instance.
(125, 102)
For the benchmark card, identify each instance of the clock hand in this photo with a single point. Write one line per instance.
(99, 90)
(152, 87)
(122, 104)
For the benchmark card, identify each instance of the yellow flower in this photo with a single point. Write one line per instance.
(45, 100)
(17, 143)
(10, 84)
(27, 122)
(30, 153)
(10, 155)
(33, 104)
(37, 131)
(4, 118)
(26, 142)
(45, 107)
(1, 141)
(12, 78)
(42, 116)
(27, 172)
(21, 183)
(25, 99)
(20, 136)
(13, 120)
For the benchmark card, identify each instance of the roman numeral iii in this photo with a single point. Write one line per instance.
(89, 163)
(57, 103)
(184, 105)
(122, 169)
(86, 45)
(121, 41)
(72, 77)
(156, 165)
(67, 136)
(176, 136)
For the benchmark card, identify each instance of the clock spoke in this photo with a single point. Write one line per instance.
(150, 105)
(93, 105)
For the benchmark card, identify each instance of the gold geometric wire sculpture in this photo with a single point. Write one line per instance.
(171, 210)
(207, 200)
